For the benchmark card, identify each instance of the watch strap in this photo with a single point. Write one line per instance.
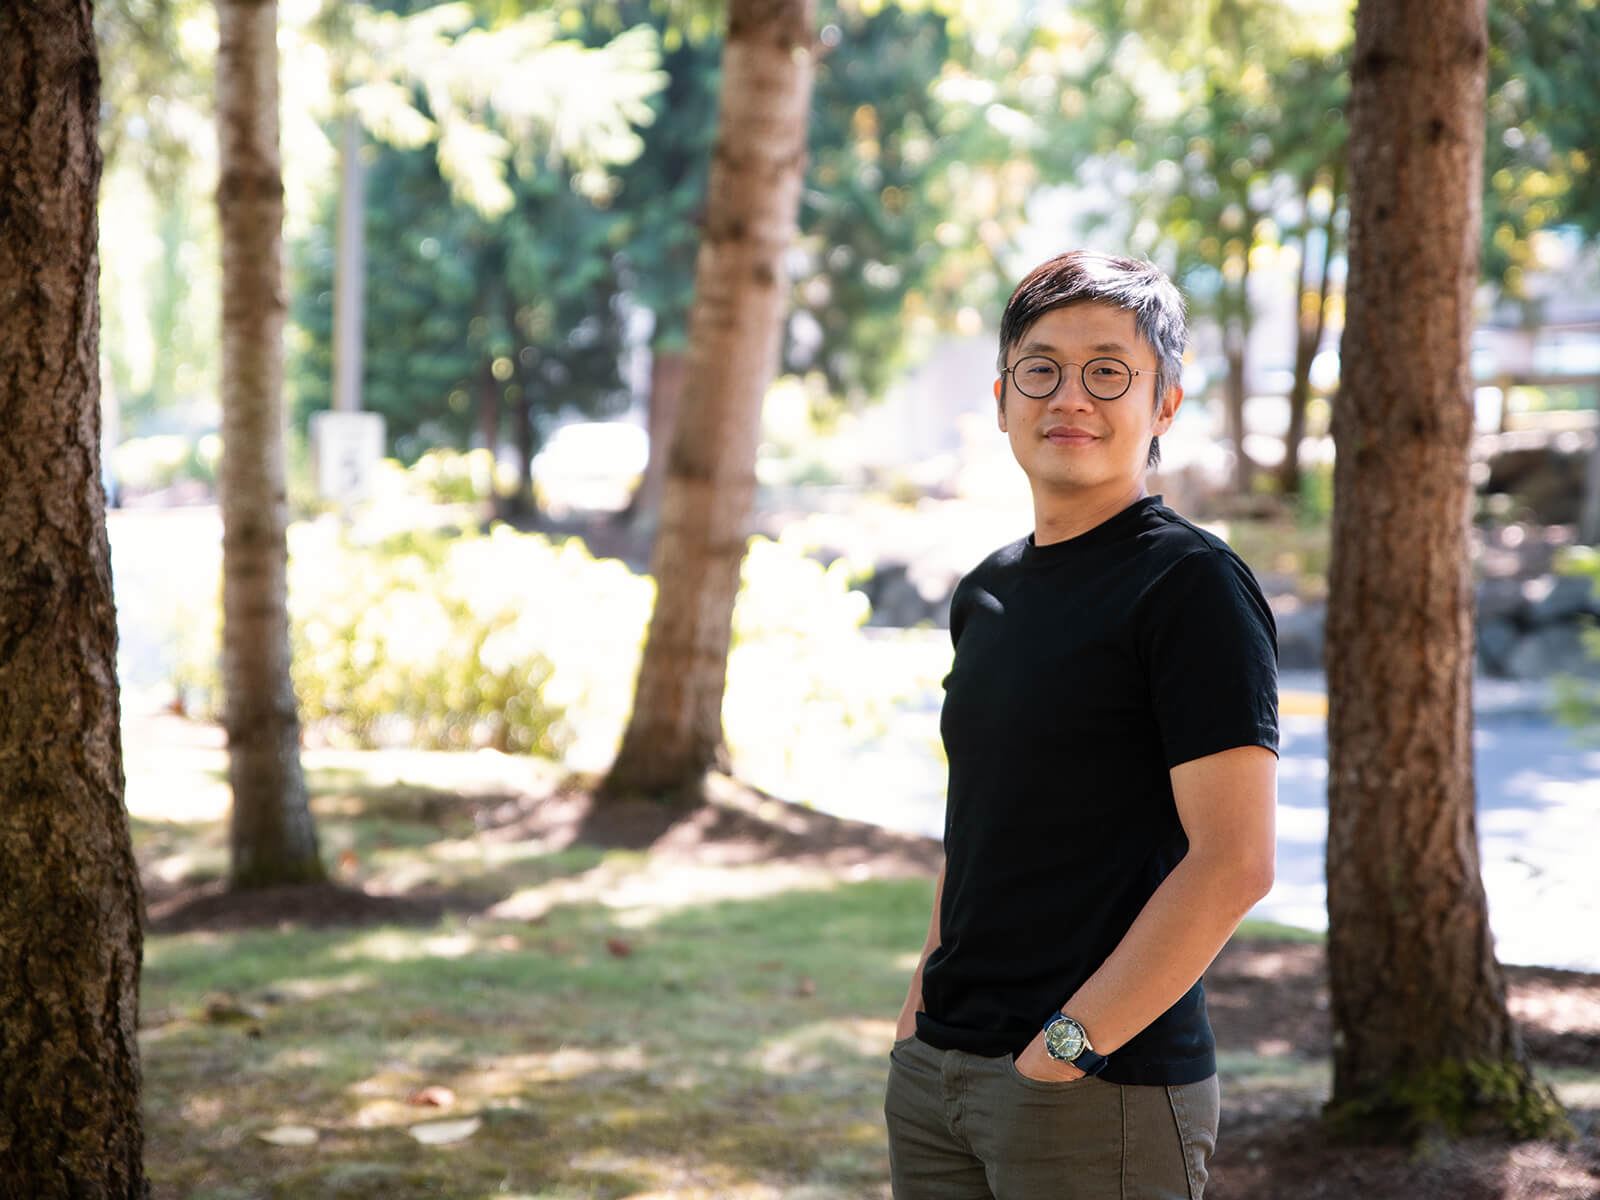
(1086, 1060)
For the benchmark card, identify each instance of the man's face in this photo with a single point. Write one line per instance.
(1071, 445)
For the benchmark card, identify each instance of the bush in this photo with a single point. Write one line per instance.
(1577, 704)
(451, 640)
(436, 641)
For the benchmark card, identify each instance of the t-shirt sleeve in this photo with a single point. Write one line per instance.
(1210, 648)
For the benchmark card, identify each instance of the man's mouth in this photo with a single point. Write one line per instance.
(1062, 435)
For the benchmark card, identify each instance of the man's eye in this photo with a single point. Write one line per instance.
(1041, 370)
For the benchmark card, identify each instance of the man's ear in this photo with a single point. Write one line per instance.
(1168, 409)
(1000, 402)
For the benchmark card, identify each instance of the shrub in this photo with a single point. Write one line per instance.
(1577, 704)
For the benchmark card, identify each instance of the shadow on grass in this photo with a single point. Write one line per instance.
(725, 1046)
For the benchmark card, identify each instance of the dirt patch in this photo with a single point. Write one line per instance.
(211, 906)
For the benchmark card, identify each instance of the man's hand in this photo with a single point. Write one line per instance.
(1035, 1063)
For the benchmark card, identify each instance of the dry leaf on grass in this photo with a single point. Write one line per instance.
(442, 1133)
(432, 1096)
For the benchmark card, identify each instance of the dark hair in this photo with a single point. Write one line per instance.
(1087, 277)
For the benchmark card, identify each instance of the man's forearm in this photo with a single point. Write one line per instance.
(1167, 948)
(1226, 805)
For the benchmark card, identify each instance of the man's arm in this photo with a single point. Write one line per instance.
(907, 1024)
(1226, 804)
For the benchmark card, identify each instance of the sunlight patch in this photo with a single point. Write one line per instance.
(395, 946)
(817, 1047)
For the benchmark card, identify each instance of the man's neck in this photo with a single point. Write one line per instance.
(1057, 518)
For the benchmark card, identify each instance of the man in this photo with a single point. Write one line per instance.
(1111, 727)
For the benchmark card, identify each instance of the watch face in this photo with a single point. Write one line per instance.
(1064, 1039)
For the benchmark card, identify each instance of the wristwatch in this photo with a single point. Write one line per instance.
(1065, 1041)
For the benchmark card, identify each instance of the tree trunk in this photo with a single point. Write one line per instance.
(489, 429)
(1423, 1042)
(523, 502)
(668, 371)
(272, 838)
(70, 941)
(1311, 320)
(1235, 337)
(674, 734)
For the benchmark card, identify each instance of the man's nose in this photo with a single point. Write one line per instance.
(1070, 392)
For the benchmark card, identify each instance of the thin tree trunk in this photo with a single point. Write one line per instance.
(489, 429)
(350, 267)
(1423, 1041)
(668, 374)
(1311, 320)
(70, 940)
(524, 503)
(272, 838)
(1235, 337)
(674, 734)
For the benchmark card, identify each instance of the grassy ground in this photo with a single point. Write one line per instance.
(616, 1023)
(556, 1018)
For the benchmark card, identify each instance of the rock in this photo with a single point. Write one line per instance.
(1501, 600)
(1564, 597)
(903, 597)
(1553, 650)
(1300, 637)
(1496, 640)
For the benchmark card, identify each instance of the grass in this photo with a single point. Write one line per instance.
(708, 1055)
(617, 1025)
(641, 1033)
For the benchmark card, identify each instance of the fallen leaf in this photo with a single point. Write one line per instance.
(432, 1096)
(442, 1133)
(618, 947)
(290, 1135)
(806, 987)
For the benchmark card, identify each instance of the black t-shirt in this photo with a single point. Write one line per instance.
(1084, 671)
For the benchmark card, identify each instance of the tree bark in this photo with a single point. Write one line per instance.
(674, 734)
(1424, 1045)
(668, 371)
(70, 940)
(272, 837)
(1235, 342)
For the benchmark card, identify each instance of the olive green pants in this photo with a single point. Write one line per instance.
(964, 1127)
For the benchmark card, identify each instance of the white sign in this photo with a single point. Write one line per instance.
(346, 448)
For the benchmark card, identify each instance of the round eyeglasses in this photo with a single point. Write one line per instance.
(1038, 376)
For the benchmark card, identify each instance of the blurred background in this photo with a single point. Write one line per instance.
(493, 214)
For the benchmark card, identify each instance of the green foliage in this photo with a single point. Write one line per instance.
(894, 207)
(660, 195)
(390, 641)
(1578, 704)
(449, 477)
(470, 322)
(149, 464)
(900, 213)
(1540, 168)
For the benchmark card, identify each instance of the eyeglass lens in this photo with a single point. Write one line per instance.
(1103, 378)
